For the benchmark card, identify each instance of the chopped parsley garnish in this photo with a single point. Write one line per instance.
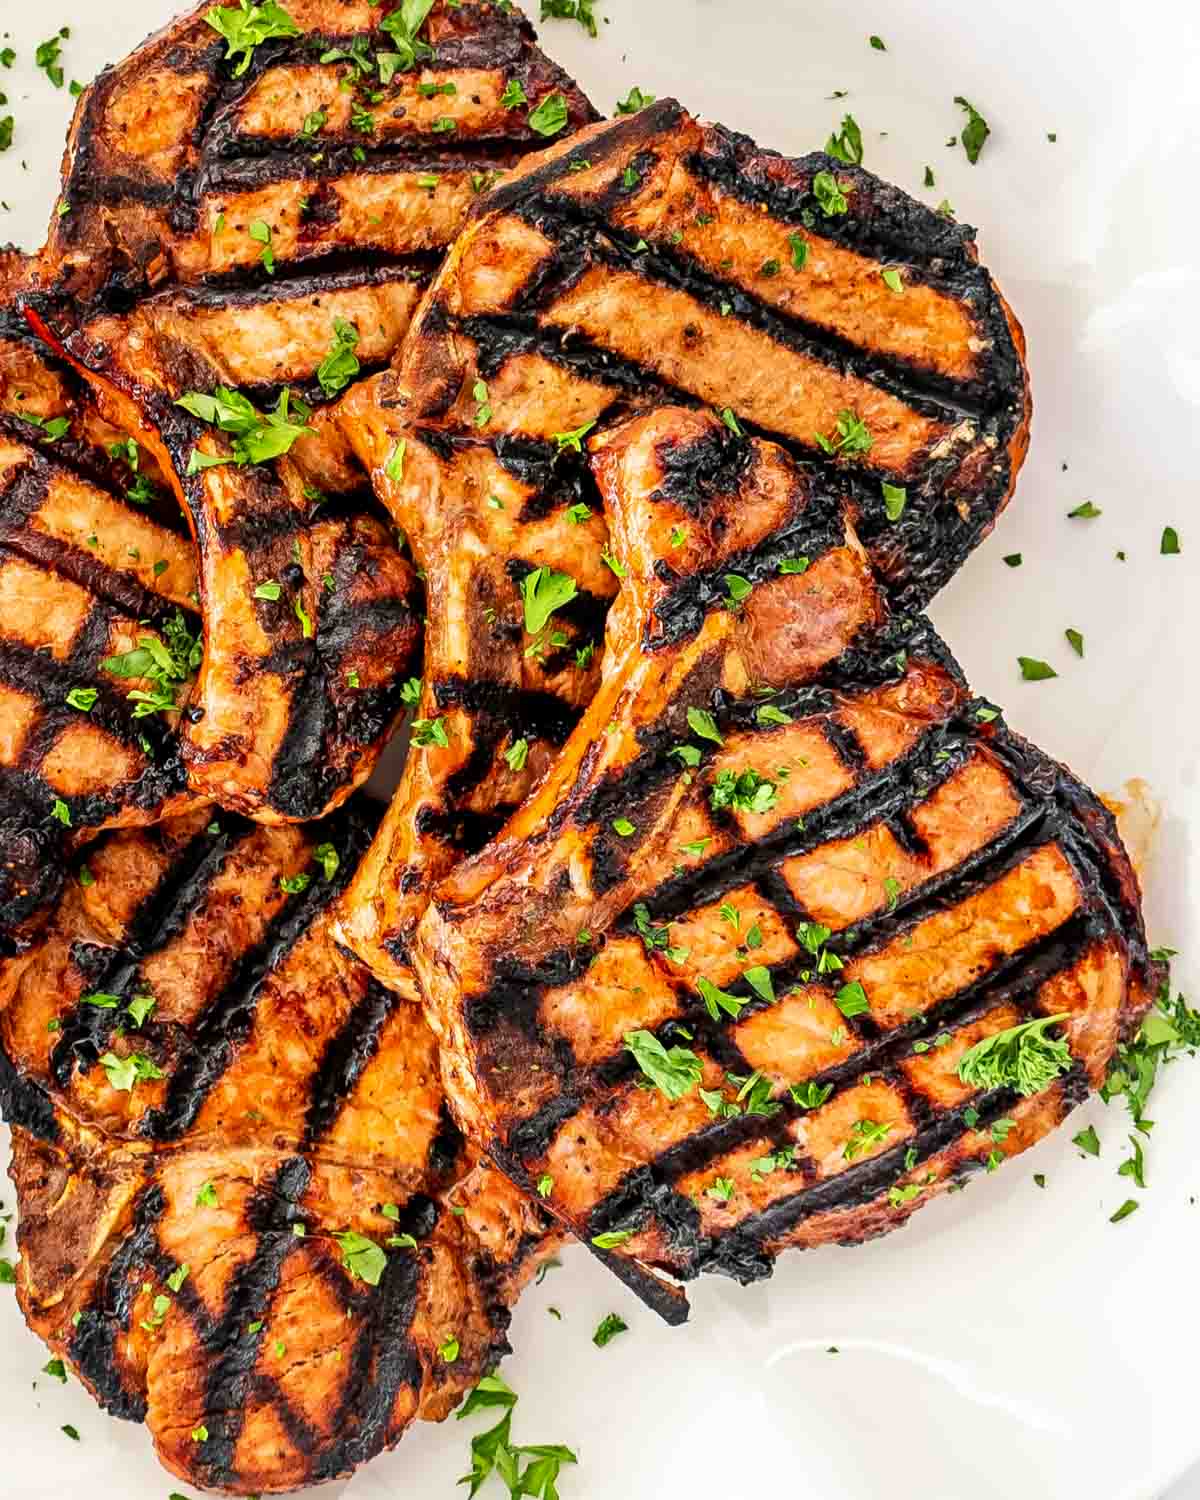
(340, 365)
(1022, 1057)
(1033, 670)
(314, 123)
(550, 117)
(864, 1134)
(1169, 545)
(328, 858)
(100, 1000)
(721, 1188)
(895, 497)
(608, 1329)
(732, 422)
(1085, 512)
(794, 565)
(624, 827)
(47, 55)
(851, 435)
(207, 1196)
(514, 95)
(893, 280)
(634, 101)
(394, 468)
(878, 43)
(1075, 640)
(1087, 1140)
(269, 590)
(846, 145)
(703, 725)
(125, 1072)
(262, 233)
(738, 589)
(829, 195)
(656, 938)
(545, 1185)
(517, 754)
(139, 1008)
(799, 249)
(245, 27)
(362, 1257)
(974, 132)
(768, 714)
(1130, 1206)
(573, 440)
(543, 591)
(448, 1350)
(483, 407)
(759, 980)
(675, 1071)
(430, 732)
(852, 999)
(718, 1000)
(164, 662)
(257, 436)
(614, 564)
(295, 885)
(84, 699)
(403, 25)
(578, 514)
(746, 791)
(1013, 560)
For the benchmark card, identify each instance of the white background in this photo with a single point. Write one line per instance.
(1011, 1342)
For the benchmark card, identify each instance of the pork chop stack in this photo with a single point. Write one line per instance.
(642, 261)
(710, 993)
(235, 1167)
(722, 900)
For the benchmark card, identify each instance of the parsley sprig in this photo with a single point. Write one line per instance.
(244, 27)
(531, 1470)
(1022, 1057)
(257, 436)
(165, 662)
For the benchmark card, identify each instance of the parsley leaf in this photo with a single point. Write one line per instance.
(258, 436)
(244, 28)
(1033, 670)
(829, 195)
(895, 497)
(1022, 1057)
(609, 1327)
(974, 132)
(747, 792)
(125, 1072)
(847, 144)
(550, 117)
(1169, 546)
(634, 101)
(675, 1072)
(362, 1257)
(544, 591)
(340, 365)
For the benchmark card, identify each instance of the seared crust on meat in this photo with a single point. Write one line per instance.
(911, 877)
(659, 252)
(222, 226)
(85, 574)
(651, 257)
(173, 152)
(178, 1237)
(481, 515)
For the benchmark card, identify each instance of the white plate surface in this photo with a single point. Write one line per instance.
(1011, 1342)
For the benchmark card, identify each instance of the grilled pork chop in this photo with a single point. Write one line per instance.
(710, 990)
(288, 203)
(645, 258)
(97, 590)
(245, 1216)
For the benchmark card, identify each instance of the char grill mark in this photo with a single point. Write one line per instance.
(482, 512)
(177, 172)
(659, 254)
(84, 574)
(297, 1095)
(954, 877)
(169, 140)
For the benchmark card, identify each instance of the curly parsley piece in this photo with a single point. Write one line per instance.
(257, 436)
(246, 27)
(1022, 1057)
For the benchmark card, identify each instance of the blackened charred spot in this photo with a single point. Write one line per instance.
(700, 470)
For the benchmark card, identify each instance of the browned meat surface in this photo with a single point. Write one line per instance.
(87, 575)
(234, 1166)
(652, 256)
(485, 521)
(788, 863)
(266, 230)
(815, 302)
